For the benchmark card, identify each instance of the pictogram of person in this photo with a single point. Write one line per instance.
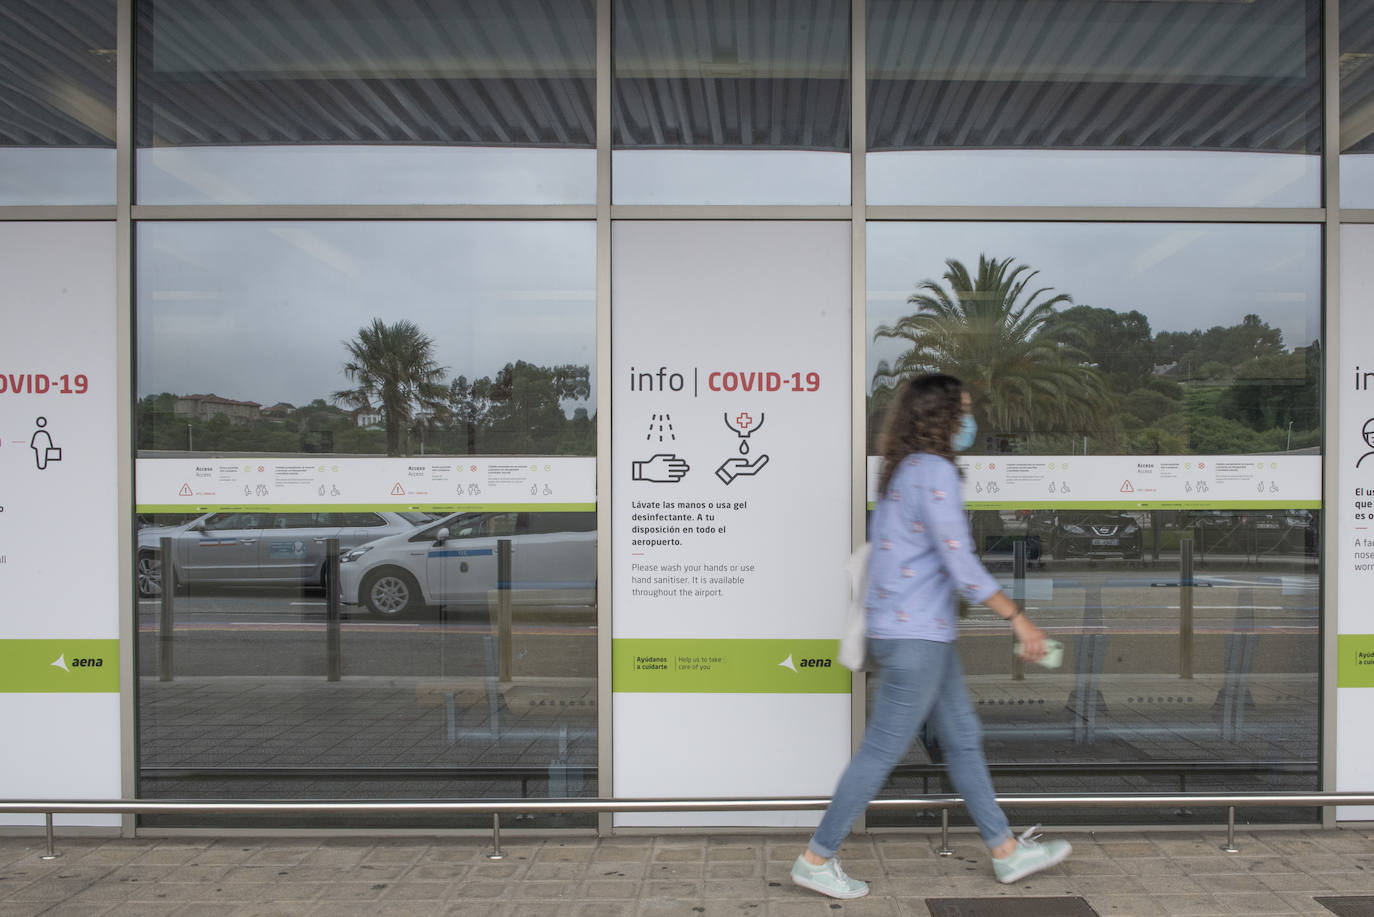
(1368, 434)
(41, 444)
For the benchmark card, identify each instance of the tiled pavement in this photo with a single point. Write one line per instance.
(1132, 873)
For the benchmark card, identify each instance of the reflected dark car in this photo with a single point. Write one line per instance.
(1254, 531)
(1087, 533)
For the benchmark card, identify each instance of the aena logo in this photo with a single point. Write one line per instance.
(78, 662)
(817, 663)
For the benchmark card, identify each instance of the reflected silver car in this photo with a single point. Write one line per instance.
(259, 548)
(452, 562)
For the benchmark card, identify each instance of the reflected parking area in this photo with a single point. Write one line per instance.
(1183, 669)
(1150, 465)
(453, 700)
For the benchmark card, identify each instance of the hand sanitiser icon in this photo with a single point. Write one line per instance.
(743, 425)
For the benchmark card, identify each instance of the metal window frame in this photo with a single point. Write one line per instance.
(126, 214)
(1330, 331)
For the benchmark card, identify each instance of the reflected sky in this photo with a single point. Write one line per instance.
(260, 311)
(61, 177)
(477, 175)
(306, 174)
(1357, 180)
(758, 177)
(1181, 276)
(1094, 178)
(313, 174)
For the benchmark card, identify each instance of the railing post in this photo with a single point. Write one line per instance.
(496, 853)
(333, 644)
(1018, 577)
(1185, 608)
(1230, 846)
(504, 651)
(51, 854)
(166, 619)
(945, 850)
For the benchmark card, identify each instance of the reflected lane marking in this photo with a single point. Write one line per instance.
(1240, 608)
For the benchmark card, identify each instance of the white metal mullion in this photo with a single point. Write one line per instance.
(858, 301)
(604, 479)
(1330, 335)
(124, 399)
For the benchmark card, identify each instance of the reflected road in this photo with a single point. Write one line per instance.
(282, 632)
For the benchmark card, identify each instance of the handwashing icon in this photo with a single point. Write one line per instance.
(733, 468)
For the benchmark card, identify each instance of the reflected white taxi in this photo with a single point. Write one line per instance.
(453, 562)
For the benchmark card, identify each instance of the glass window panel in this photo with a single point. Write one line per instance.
(453, 102)
(57, 102)
(1192, 630)
(751, 107)
(1357, 103)
(244, 333)
(454, 679)
(1233, 355)
(1075, 102)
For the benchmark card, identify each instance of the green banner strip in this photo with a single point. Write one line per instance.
(666, 666)
(1355, 661)
(1142, 504)
(59, 666)
(364, 507)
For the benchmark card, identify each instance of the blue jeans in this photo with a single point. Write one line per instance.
(917, 680)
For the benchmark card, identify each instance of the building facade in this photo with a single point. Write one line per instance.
(579, 321)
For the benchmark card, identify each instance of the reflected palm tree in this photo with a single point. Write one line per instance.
(988, 329)
(396, 373)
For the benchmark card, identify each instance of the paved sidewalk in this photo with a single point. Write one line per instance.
(1124, 874)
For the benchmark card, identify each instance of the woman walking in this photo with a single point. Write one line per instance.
(921, 560)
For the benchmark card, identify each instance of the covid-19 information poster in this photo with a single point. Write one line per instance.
(59, 621)
(731, 507)
(1353, 503)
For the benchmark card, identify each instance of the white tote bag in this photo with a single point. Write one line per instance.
(854, 638)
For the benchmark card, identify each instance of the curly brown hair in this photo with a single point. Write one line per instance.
(922, 418)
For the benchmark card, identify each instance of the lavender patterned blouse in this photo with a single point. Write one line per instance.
(922, 554)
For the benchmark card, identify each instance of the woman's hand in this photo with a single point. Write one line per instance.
(1031, 638)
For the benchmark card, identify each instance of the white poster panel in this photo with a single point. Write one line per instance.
(59, 647)
(443, 484)
(731, 511)
(1125, 482)
(1353, 502)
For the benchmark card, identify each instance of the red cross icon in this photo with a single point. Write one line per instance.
(744, 421)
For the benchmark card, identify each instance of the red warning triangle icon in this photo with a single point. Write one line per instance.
(398, 490)
(1126, 487)
(185, 491)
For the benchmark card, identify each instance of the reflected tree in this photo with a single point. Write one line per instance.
(528, 400)
(470, 406)
(1019, 358)
(396, 375)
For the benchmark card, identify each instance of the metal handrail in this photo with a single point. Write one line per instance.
(496, 807)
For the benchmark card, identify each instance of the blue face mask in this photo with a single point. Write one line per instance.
(963, 437)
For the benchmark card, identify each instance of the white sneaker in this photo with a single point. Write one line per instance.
(1030, 856)
(827, 878)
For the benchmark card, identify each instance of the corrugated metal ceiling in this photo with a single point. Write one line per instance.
(1131, 74)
